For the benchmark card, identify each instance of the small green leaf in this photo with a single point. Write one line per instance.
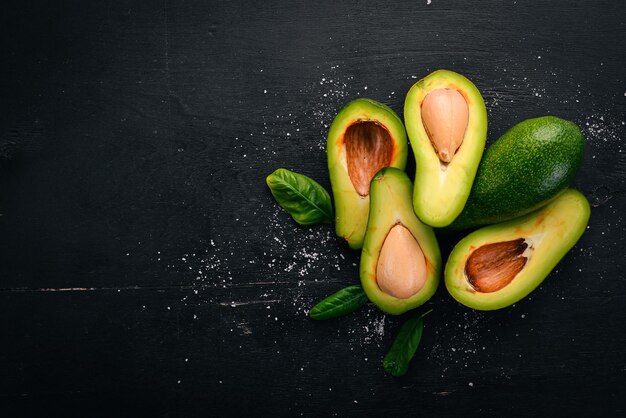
(397, 360)
(304, 198)
(345, 301)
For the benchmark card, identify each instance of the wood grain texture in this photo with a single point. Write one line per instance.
(146, 271)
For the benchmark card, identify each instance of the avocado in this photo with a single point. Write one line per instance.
(446, 122)
(522, 171)
(400, 259)
(500, 264)
(364, 137)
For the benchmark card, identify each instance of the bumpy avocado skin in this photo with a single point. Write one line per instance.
(351, 209)
(523, 170)
(550, 232)
(391, 204)
(440, 193)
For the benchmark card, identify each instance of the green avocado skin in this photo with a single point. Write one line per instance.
(523, 170)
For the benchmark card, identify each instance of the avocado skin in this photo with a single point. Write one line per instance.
(551, 232)
(522, 171)
(390, 204)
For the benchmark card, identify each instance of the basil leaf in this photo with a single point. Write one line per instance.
(304, 198)
(397, 360)
(345, 301)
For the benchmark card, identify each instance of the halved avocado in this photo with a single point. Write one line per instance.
(446, 122)
(364, 137)
(400, 259)
(500, 264)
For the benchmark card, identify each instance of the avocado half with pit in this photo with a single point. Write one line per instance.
(498, 265)
(364, 137)
(446, 121)
(400, 259)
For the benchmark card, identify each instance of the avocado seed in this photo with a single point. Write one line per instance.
(368, 149)
(445, 115)
(492, 267)
(401, 268)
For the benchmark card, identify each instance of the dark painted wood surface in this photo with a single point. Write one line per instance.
(146, 270)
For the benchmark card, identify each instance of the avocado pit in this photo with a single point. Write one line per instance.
(493, 266)
(369, 148)
(401, 267)
(445, 115)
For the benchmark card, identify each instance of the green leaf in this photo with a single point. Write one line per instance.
(304, 198)
(397, 360)
(345, 301)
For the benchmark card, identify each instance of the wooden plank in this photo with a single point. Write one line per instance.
(146, 270)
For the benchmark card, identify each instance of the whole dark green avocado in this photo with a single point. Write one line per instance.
(523, 170)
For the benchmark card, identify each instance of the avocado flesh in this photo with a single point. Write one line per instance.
(364, 137)
(524, 169)
(442, 188)
(516, 255)
(418, 259)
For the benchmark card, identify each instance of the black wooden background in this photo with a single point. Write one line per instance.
(146, 271)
